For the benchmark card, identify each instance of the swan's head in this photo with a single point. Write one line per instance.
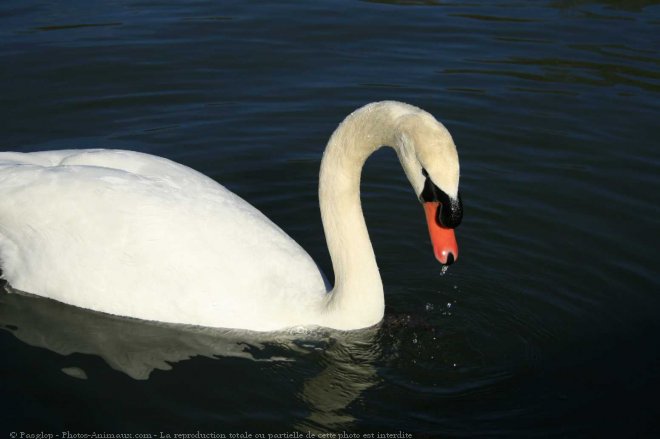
(429, 158)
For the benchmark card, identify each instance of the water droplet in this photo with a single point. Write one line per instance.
(428, 307)
(448, 304)
(444, 269)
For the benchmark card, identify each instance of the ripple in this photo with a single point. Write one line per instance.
(496, 18)
(75, 26)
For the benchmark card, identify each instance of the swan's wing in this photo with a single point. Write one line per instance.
(137, 235)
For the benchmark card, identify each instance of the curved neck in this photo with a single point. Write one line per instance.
(356, 300)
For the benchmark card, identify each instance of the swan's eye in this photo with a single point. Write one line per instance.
(450, 212)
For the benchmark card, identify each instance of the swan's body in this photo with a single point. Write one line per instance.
(141, 236)
(120, 232)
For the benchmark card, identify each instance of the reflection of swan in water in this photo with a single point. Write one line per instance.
(137, 348)
(349, 372)
(127, 345)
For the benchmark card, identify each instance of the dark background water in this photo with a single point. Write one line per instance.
(546, 327)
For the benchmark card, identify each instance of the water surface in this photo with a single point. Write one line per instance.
(547, 325)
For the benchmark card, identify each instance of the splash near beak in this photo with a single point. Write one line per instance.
(445, 247)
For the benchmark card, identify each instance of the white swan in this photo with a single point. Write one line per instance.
(132, 234)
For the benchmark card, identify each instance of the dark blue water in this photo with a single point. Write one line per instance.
(546, 327)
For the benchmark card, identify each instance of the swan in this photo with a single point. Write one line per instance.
(136, 235)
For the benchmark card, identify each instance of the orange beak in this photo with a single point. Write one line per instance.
(445, 247)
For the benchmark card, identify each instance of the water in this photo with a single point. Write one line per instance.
(546, 326)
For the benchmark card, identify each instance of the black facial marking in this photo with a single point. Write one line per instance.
(450, 211)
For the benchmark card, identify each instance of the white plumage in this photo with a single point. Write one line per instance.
(132, 234)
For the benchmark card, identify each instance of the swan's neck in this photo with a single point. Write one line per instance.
(356, 300)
